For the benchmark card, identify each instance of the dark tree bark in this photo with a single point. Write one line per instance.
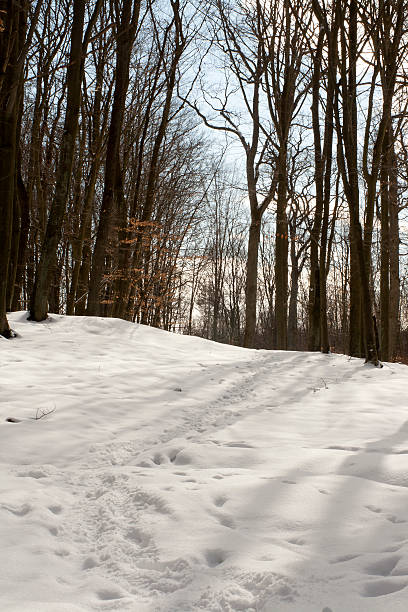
(13, 50)
(347, 159)
(48, 260)
(318, 324)
(394, 301)
(127, 16)
(314, 342)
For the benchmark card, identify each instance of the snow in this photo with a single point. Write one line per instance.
(176, 474)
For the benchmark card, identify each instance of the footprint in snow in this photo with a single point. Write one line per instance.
(297, 541)
(215, 557)
(374, 509)
(391, 549)
(394, 519)
(109, 594)
(378, 588)
(220, 501)
(33, 474)
(89, 563)
(238, 445)
(383, 567)
(344, 558)
(225, 521)
(21, 511)
(348, 449)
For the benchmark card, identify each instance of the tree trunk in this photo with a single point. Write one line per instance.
(314, 342)
(12, 37)
(8, 126)
(251, 282)
(23, 247)
(347, 134)
(385, 252)
(48, 259)
(294, 292)
(125, 38)
(281, 256)
(394, 257)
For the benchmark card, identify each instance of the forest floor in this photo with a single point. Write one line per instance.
(173, 474)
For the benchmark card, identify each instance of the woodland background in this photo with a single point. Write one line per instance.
(230, 169)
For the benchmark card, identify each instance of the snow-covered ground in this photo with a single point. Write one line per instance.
(176, 474)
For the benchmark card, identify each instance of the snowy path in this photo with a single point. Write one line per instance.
(178, 475)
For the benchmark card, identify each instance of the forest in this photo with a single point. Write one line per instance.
(234, 169)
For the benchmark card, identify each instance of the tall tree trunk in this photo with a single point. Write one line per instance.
(347, 134)
(314, 342)
(48, 259)
(251, 281)
(281, 255)
(394, 257)
(23, 246)
(385, 251)
(12, 37)
(125, 37)
(294, 293)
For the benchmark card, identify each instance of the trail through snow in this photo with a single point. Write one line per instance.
(177, 474)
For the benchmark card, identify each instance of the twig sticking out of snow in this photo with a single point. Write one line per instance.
(41, 413)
